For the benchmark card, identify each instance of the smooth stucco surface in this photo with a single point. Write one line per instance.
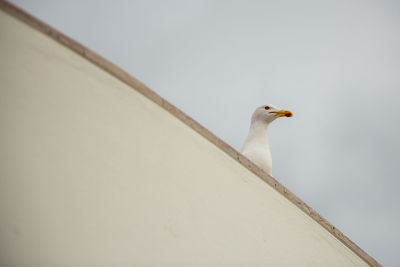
(94, 174)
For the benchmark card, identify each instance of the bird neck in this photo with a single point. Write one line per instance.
(258, 131)
(256, 147)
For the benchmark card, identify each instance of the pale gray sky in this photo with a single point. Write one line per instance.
(335, 64)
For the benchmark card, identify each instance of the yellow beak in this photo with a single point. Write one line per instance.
(283, 113)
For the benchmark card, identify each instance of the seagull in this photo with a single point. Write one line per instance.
(256, 146)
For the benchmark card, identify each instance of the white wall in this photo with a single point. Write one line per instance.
(94, 174)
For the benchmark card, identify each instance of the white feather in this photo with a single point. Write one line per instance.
(256, 147)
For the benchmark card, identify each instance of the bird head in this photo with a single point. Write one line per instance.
(269, 113)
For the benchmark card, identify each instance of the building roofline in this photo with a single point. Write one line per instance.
(150, 94)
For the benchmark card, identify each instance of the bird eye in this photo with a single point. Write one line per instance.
(266, 107)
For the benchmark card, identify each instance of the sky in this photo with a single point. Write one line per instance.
(334, 64)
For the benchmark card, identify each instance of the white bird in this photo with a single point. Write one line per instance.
(256, 146)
